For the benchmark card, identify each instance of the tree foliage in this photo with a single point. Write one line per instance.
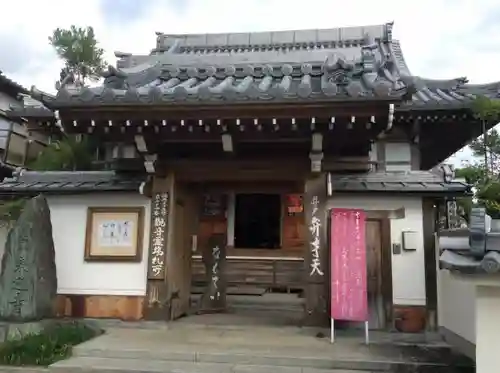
(484, 171)
(79, 49)
(83, 58)
(69, 154)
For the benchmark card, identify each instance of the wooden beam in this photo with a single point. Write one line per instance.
(319, 109)
(140, 143)
(317, 253)
(227, 143)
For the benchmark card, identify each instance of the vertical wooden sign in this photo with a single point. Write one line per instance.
(214, 259)
(316, 259)
(316, 255)
(159, 224)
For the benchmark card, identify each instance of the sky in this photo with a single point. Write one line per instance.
(441, 39)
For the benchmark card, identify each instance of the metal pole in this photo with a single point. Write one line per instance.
(367, 336)
(332, 330)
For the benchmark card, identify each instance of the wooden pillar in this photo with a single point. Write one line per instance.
(429, 228)
(317, 271)
(157, 304)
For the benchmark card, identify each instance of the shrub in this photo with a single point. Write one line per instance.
(53, 344)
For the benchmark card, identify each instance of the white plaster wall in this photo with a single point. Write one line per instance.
(408, 270)
(394, 152)
(456, 305)
(398, 152)
(488, 329)
(74, 275)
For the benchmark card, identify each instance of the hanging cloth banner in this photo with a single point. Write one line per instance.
(349, 298)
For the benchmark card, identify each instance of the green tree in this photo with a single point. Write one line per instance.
(484, 172)
(80, 51)
(71, 153)
(78, 48)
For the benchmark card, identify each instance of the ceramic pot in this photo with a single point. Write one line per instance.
(409, 320)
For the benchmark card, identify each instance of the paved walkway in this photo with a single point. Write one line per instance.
(251, 348)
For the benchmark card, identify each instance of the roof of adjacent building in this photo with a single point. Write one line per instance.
(74, 182)
(68, 182)
(28, 107)
(7, 84)
(401, 182)
(338, 64)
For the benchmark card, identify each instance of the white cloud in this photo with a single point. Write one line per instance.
(440, 38)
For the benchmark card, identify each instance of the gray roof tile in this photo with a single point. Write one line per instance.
(28, 107)
(339, 64)
(415, 182)
(16, 87)
(67, 182)
(473, 250)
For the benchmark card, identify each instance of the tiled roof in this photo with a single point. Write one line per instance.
(16, 87)
(69, 182)
(473, 250)
(339, 64)
(414, 182)
(30, 108)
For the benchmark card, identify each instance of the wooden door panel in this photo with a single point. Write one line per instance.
(180, 266)
(374, 274)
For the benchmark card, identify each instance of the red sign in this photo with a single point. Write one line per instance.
(294, 204)
(348, 265)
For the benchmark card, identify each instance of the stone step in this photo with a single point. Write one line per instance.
(278, 360)
(104, 365)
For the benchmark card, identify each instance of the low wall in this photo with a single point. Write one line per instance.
(457, 311)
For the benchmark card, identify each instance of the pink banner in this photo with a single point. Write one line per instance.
(348, 265)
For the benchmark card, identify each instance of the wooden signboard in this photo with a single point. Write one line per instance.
(214, 259)
(214, 205)
(159, 222)
(348, 265)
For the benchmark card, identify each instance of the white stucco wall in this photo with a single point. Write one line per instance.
(488, 329)
(398, 152)
(74, 275)
(408, 270)
(469, 308)
(398, 155)
(456, 305)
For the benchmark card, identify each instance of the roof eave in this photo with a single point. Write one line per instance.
(15, 87)
(33, 192)
(81, 104)
(439, 194)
